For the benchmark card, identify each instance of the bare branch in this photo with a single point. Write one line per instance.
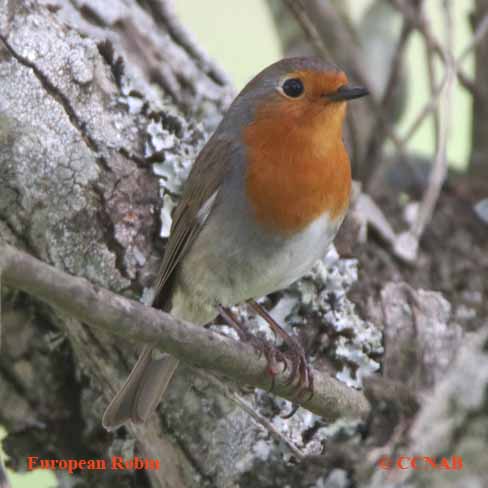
(429, 59)
(251, 411)
(298, 10)
(428, 108)
(419, 22)
(478, 36)
(196, 346)
(406, 245)
(383, 124)
(433, 102)
(164, 13)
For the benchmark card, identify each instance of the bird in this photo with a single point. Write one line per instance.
(263, 201)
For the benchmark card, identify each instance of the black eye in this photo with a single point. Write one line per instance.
(293, 87)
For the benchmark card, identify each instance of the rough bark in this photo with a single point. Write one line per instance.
(452, 422)
(79, 133)
(98, 104)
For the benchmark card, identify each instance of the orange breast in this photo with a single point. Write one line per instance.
(295, 172)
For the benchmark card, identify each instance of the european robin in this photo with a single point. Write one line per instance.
(263, 201)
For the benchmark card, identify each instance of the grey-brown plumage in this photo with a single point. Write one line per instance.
(142, 390)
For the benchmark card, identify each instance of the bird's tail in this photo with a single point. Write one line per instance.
(142, 390)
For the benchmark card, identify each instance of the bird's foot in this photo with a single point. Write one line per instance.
(295, 354)
(272, 354)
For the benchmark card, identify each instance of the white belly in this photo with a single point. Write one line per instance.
(232, 262)
(266, 270)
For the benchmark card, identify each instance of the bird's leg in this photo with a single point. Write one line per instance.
(296, 352)
(271, 353)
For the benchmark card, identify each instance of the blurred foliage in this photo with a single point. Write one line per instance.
(251, 42)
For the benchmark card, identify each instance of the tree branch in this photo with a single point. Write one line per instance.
(298, 10)
(194, 345)
(261, 420)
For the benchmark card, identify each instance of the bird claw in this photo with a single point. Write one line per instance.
(299, 368)
(305, 383)
(273, 357)
(295, 354)
(272, 354)
(294, 357)
(292, 412)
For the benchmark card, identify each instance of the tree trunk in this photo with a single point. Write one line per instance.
(90, 97)
(98, 103)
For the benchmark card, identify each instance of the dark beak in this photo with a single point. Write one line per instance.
(347, 92)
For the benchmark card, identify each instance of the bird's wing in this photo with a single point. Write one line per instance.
(199, 194)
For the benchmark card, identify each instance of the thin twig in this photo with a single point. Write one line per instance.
(406, 245)
(419, 23)
(164, 13)
(429, 107)
(299, 12)
(195, 345)
(429, 60)
(432, 103)
(383, 124)
(439, 170)
(394, 77)
(469, 85)
(422, 26)
(478, 36)
(260, 419)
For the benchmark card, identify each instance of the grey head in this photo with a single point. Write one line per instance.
(265, 84)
